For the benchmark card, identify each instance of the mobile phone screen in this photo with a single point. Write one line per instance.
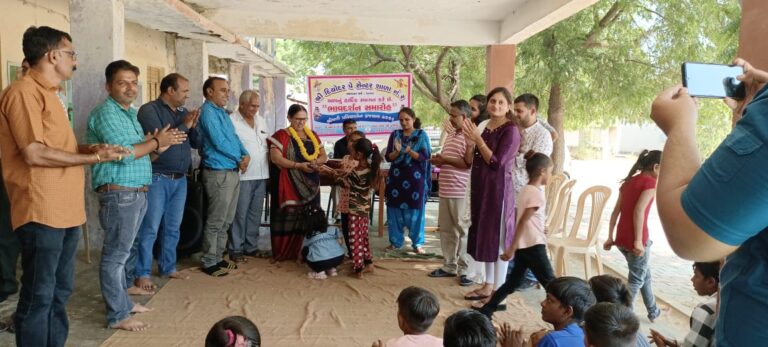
(713, 80)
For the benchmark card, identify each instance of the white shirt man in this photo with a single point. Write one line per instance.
(251, 128)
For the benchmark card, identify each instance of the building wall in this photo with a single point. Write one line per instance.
(146, 47)
(17, 16)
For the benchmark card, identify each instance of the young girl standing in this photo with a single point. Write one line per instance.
(632, 207)
(360, 183)
(529, 247)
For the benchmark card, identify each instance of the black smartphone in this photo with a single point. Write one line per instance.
(713, 80)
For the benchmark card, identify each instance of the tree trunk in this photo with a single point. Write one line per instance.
(556, 112)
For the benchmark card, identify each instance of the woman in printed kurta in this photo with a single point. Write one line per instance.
(296, 157)
(493, 196)
(408, 182)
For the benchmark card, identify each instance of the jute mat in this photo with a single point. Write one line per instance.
(292, 310)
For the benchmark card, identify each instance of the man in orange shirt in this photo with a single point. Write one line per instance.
(45, 183)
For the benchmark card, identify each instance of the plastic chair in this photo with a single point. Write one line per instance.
(556, 218)
(561, 247)
(551, 191)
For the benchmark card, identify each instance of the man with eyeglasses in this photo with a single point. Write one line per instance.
(223, 157)
(45, 181)
(454, 162)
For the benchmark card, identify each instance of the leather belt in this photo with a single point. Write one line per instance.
(173, 176)
(212, 169)
(114, 187)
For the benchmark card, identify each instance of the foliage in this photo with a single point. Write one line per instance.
(462, 68)
(610, 61)
(611, 66)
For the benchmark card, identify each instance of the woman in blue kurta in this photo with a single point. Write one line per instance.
(496, 143)
(408, 182)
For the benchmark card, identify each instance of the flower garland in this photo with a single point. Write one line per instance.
(302, 149)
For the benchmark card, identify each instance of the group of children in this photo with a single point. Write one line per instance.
(322, 249)
(594, 313)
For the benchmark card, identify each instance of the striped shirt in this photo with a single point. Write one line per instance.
(453, 181)
(110, 123)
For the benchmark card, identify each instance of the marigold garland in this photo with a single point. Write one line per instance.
(302, 149)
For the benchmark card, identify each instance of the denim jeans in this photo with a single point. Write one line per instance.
(165, 209)
(639, 278)
(245, 228)
(120, 214)
(48, 264)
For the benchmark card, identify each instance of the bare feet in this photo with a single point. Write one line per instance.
(139, 308)
(145, 284)
(419, 250)
(130, 324)
(368, 268)
(138, 291)
(178, 276)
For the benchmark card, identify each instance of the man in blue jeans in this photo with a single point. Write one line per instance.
(718, 209)
(168, 191)
(44, 178)
(122, 186)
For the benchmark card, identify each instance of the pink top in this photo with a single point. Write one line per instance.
(533, 229)
(453, 181)
(423, 340)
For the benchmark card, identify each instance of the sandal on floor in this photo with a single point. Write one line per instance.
(419, 250)
(390, 248)
(229, 265)
(215, 271)
(474, 295)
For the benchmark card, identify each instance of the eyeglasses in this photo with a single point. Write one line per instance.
(72, 54)
(300, 119)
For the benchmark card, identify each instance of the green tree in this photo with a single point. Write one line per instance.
(597, 68)
(440, 74)
(605, 64)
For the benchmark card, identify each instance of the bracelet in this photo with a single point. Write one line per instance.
(98, 159)
(157, 142)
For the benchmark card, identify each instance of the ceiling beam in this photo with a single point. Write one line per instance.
(535, 16)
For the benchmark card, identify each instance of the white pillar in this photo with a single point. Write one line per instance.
(192, 63)
(98, 31)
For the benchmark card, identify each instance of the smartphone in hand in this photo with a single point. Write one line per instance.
(713, 80)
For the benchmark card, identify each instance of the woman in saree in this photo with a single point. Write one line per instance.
(492, 204)
(296, 158)
(409, 181)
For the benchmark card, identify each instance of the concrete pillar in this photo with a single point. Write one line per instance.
(236, 85)
(754, 28)
(500, 67)
(192, 63)
(98, 31)
(281, 107)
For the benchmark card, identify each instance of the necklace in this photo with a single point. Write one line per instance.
(302, 149)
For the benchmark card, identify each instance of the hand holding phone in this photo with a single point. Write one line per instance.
(713, 80)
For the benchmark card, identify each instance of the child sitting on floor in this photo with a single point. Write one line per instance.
(469, 328)
(417, 308)
(568, 298)
(359, 184)
(706, 282)
(322, 250)
(233, 331)
(610, 325)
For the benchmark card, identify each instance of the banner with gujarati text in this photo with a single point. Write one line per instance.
(372, 100)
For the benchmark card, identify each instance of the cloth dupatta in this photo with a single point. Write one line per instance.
(296, 187)
(475, 270)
